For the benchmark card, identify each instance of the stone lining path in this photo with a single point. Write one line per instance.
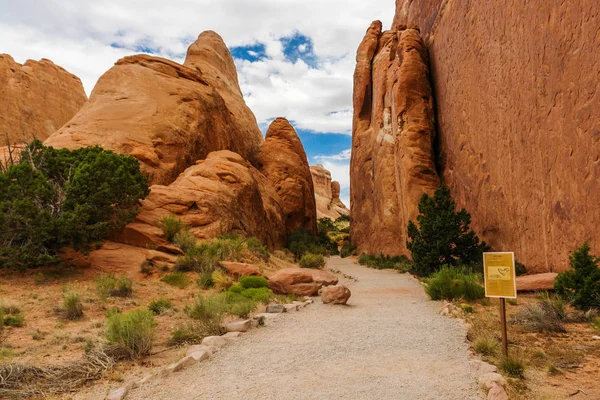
(389, 343)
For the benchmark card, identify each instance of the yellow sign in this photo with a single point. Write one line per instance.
(499, 275)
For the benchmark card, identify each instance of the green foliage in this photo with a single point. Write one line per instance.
(207, 255)
(146, 267)
(112, 285)
(133, 332)
(520, 269)
(242, 309)
(177, 279)
(171, 226)
(160, 305)
(259, 295)
(547, 315)
(514, 365)
(205, 281)
(15, 320)
(443, 236)
(581, 284)
(184, 240)
(451, 283)
(343, 218)
(312, 261)
(301, 241)
(486, 346)
(399, 263)
(187, 333)
(72, 305)
(258, 249)
(249, 282)
(58, 198)
(209, 311)
(347, 249)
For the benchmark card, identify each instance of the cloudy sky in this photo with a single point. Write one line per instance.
(295, 58)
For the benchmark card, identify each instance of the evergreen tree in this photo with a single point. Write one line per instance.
(581, 284)
(443, 236)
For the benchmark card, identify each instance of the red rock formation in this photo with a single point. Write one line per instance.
(300, 281)
(165, 114)
(327, 194)
(221, 194)
(518, 107)
(36, 99)
(283, 161)
(392, 143)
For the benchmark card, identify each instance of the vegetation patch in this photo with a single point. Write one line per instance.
(253, 282)
(133, 332)
(112, 285)
(209, 311)
(72, 305)
(160, 306)
(171, 226)
(315, 261)
(177, 279)
(581, 284)
(450, 283)
(399, 263)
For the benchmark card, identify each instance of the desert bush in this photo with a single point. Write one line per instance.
(258, 249)
(301, 241)
(249, 282)
(72, 305)
(177, 279)
(547, 315)
(207, 255)
(347, 249)
(160, 305)
(146, 267)
(259, 295)
(520, 269)
(242, 309)
(399, 263)
(486, 346)
(443, 236)
(15, 320)
(205, 281)
(209, 311)
(57, 198)
(188, 333)
(581, 284)
(312, 261)
(185, 240)
(513, 365)
(114, 286)
(171, 225)
(221, 280)
(133, 332)
(451, 283)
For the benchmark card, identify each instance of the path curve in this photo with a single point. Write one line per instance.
(389, 343)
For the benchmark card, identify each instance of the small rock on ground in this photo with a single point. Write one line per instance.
(238, 326)
(275, 309)
(214, 341)
(118, 394)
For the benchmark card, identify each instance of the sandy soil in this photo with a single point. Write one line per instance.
(388, 343)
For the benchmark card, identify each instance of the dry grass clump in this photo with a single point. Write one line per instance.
(133, 332)
(19, 381)
(548, 315)
(72, 305)
(112, 285)
(486, 346)
(513, 365)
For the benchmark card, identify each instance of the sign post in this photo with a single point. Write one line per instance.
(500, 282)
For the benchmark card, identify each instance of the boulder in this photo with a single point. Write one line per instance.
(36, 99)
(221, 194)
(531, 283)
(238, 326)
(215, 342)
(200, 355)
(479, 367)
(393, 132)
(300, 281)
(523, 154)
(238, 270)
(165, 114)
(283, 161)
(497, 393)
(335, 294)
(488, 381)
(327, 194)
(275, 309)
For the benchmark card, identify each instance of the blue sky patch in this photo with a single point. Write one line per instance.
(253, 53)
(299, 46)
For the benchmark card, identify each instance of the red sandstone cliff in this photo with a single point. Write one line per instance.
(36, 99)
(327, 194)
(392, 138)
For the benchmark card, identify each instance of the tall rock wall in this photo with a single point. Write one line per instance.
(165, 114)
(393, 133)
(283, 161)
(517, 90)
(327, 194)
(36, 99)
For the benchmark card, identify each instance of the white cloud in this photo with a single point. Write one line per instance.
(78, 35)
(339, 166)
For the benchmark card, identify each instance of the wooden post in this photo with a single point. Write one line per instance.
(503, 322)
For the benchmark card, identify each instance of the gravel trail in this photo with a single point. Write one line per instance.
(388, 343)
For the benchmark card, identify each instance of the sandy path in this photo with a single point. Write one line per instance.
(389, 343)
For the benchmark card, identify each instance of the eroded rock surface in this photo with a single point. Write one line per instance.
(518, 107)
(165, 114)
(392, 162)
(36, 99)
(283, 161)
(327, 194)
(222, 194)
(300, 281)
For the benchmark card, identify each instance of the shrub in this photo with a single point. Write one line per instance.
(258, 249)
(205, 281)
(443, 236)
(347, 250)
(146, 267)
(14, 320)
(249, 282)
(235, 289)
(581, 284)
(133, 332)
(207, 255)
(520, 269)
(242, 308)
(184, 240)
(221, 280)
(57, 198)
(177, 279)
(399, 263)
(209, 311)
(301, 241)
(513, 365)
(112, 285)
(547, 315)
(188, 333)
(160, 306)
(259, 295)
(486, 346)
(312, 261)
(451, 283)
(171, 225)
(72, 305)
